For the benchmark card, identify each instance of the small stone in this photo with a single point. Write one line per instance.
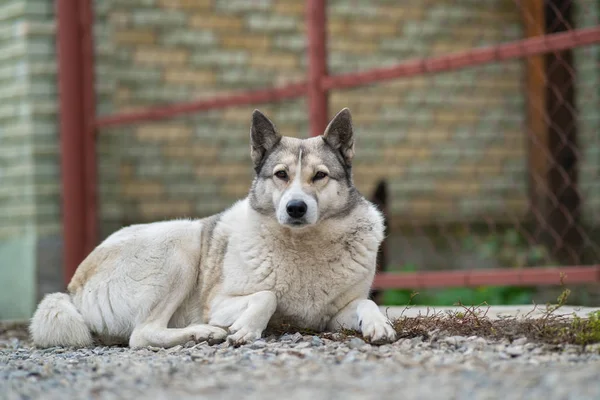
(593, 348)
(316, 341)
(385, 349)
(189, 344)
(515, 351)
(175, 349)
(356, 343)
(258, 344)
(286, 338)
(296, 337)
(454, 340)
(302, 345)
(520, 341)
(154, 349)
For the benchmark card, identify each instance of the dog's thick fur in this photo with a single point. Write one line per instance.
(301, 248)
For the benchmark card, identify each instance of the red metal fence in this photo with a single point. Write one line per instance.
(554, 206)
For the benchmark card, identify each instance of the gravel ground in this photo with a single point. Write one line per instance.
(294, 366)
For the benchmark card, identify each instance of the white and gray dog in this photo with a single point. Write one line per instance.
(300, 248)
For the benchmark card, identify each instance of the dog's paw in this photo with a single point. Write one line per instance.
(378, 330)
(243, 336)
(201, 333)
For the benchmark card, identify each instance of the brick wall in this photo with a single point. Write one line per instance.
(450, 144)
(29, 189)
(160, 51)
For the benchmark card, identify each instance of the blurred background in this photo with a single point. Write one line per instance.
(494, 165)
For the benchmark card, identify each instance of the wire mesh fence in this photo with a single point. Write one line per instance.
(490, 164)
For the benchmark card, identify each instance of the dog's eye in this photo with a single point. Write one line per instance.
(319, 175)
(281, 174)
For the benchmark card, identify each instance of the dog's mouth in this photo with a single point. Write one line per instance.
(297, 223)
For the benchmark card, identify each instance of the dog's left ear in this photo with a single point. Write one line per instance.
(263, 137)
(340, 135)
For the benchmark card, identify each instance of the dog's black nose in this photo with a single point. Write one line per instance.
(296, 208)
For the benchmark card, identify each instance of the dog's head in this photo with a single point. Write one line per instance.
(301, 182)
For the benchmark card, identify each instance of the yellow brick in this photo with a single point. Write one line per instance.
(408, 83)
(468, 171)
(366, 174)
(167, 208)
(135, 37)
(125, 171)
(189, 77)
(198, 151)
(290, 76)
(157, 132)
(359, 118)
(157, 56)
(226, 171)
(142, 189)
(402, 12)
(428, 136)
(240, 116)
(347, 45)
(497, 153)
(379, 28)
(216, 22)
(235, 189)
(404, 152)
(457, 188)
(122, 95)
(450, 47)
(453, 117)
(186, 4)
(289, 7)
(116, 19)
(337, 26)
(250, 42)
(274, 60)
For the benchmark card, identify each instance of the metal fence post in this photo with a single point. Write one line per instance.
(71, 138)
(316, 27)
(77, 144)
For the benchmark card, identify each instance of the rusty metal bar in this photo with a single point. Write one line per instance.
(485, 55)
(219, 102)
(316, 28)
(89, 115)
(521, 48)
(72, 126)
(491, 277)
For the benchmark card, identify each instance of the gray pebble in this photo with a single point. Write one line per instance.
(356, 343)
(305, 367)
(258, 344)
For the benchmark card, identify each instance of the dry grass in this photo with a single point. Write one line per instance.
(552, 327)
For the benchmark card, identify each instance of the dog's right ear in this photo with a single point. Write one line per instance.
(263, 137)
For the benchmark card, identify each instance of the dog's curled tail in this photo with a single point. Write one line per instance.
(57, 322)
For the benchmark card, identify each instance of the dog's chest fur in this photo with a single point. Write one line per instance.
(313, 274)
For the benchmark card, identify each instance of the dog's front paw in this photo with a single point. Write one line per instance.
(201, 333)
(378, 330)
(243, 336)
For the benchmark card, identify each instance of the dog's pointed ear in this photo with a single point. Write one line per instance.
(340, 135)
(263, 137)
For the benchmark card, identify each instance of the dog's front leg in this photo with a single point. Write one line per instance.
(246, 316)
(363, 315)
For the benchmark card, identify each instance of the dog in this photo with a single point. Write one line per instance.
(300, 248)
